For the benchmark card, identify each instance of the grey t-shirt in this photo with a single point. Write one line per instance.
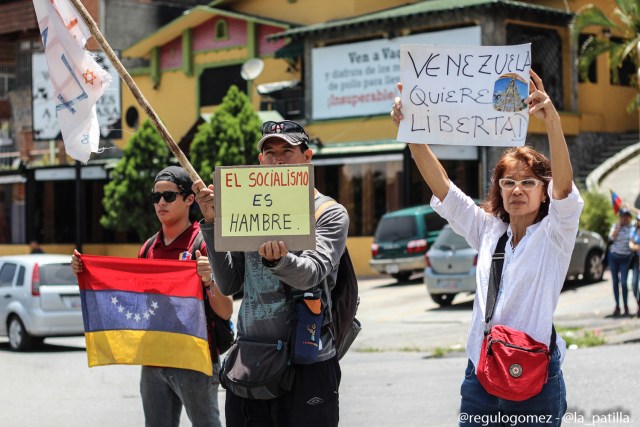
(265, 313)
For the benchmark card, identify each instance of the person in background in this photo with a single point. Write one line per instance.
(165, 390)
(634, 264)
(35, 247)
(619, 257)
(534, 201)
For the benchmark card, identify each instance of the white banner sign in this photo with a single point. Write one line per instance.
(359, 79)
(45, 122)
(463, 95)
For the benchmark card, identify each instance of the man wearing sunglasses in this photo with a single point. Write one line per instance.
(165, 390)
(262, 276)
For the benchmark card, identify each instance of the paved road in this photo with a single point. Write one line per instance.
(53, 386)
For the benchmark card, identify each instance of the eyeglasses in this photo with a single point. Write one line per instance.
(168, 196)
(526, 184)
(286, 126)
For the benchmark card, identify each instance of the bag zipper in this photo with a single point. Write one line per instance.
(491, 341)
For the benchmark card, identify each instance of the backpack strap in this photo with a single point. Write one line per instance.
(196, 245)
(495, 278)
(148, 244)
(322, 203)
(323, 206)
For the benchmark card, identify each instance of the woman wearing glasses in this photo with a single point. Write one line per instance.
(540, 217)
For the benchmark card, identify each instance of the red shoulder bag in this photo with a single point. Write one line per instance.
(512, 365)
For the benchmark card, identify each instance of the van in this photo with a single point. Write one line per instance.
(402, 239)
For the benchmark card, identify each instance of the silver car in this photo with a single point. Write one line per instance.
(39, 297)
(451, 264)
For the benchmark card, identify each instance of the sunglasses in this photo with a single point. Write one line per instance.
(168, 196)
(286, 126)
(526, 184)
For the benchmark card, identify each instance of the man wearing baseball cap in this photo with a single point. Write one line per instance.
(165, 390)
(266, 276)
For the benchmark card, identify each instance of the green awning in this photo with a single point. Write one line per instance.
(358, 148)
(382, 151)
(291, 50)
(398, 15)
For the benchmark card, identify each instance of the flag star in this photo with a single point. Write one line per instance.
(152, 312)
(114, 300)
(120, 309)
(146, 315)
(89, 77)
(154, 305)
(136, 317)
(129, 315)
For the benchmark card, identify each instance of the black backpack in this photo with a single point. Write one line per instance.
(344, 300)
(222, 328)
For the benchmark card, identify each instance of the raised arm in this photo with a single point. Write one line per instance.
(540, 106)
(428, 164)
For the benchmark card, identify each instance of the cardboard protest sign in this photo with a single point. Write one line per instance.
(256, 204)
(465, 95)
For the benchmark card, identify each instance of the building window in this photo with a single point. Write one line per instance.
(369, 187)
(222, 30)
(215, 82)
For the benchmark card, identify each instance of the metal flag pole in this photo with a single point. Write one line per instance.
(142, 101)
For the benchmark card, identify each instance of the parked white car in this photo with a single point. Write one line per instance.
(451, 264)
(39, 298)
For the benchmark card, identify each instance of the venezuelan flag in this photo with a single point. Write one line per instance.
(616, 201)
(144, 312)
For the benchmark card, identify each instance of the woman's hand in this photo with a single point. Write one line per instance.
(540, 105)
(396, 108)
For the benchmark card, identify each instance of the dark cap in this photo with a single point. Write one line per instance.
(624, 211)
(178, 176)
(287, 130)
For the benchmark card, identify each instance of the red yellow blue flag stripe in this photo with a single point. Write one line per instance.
(144, 312)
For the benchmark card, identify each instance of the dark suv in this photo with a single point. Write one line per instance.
(402, 238)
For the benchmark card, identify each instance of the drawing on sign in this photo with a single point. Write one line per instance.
(510, 92)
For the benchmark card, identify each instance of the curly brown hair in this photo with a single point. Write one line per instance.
(536, 162)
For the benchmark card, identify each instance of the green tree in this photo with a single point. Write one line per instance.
(622, 49)
(126, 196)
(229, 138)
(597, 214)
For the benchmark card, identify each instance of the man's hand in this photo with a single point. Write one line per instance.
(273, 251)
(205, 197)
(76, 262)
(204, 269)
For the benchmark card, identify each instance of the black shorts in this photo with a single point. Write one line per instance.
(312, 401)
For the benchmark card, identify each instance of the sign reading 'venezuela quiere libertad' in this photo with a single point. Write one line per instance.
(256, 204)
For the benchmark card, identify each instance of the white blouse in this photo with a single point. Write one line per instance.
(533, 274)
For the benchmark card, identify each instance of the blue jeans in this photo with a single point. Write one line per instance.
(165, 390)
(479, 408)
(634, 278)
(619, 266)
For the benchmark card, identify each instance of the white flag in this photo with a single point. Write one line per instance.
(77, 79)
